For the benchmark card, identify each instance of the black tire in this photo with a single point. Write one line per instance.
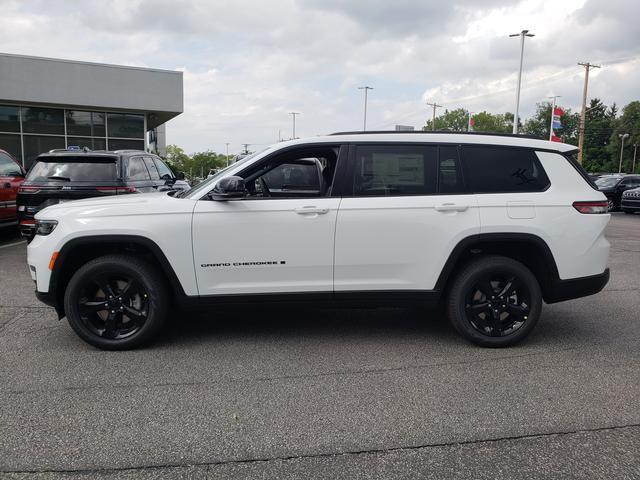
(612, 205)
(498, 320)
(116, 302)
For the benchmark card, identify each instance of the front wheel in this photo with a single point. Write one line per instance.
(611, 205)
(494, 301)
(116, 302)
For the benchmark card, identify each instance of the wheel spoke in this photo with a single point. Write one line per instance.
(486, 288)
(91, 307)
(137, 316)
(103, 282)
(128, 291)
(477, 308)
(110, 325)
(509, 288)
(496, 325)
(519, 310)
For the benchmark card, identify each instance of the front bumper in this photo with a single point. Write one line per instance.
(562, 290)
(49, 299)
(630, 203)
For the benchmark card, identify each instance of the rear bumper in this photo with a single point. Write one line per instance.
(562, 290)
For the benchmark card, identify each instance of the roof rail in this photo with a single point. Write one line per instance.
(430, 132)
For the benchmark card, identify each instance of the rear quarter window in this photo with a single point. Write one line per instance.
(83, 169)
(502, 170)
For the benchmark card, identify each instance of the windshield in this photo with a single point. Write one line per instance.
(203, 186)
(607, 181)
(85, 169)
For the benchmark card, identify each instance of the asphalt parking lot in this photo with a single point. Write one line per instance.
(325, 393)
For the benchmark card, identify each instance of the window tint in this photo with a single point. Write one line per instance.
(293, 177)
(394, 170)
(125, 125)
(9, 118)
(163, 169)
(449, 174)
(116, 144)
(495, 170)
(85, 169)
(8, 166)
(34, 145)
(137, 170)
(42, 120)
(11, 144)
(153, 170)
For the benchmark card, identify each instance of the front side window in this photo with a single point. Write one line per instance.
(308, 172)
(501, 170)
(394, 170)
(137, 170)
(163, 170)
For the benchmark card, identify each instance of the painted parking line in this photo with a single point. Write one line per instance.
(12, 244)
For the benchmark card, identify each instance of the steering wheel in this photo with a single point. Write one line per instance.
(263, 186)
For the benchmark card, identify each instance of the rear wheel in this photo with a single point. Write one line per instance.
(494, 301)
(612, 205)
(116, 302)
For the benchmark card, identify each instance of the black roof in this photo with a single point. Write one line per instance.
(427, 132)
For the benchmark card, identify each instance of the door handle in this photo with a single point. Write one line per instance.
(451, 207)
(310, 209)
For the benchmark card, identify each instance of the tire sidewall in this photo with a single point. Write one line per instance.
(141, 272)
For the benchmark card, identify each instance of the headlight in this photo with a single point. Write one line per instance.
(45, 227)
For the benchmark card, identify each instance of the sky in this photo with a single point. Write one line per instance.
(248, 63)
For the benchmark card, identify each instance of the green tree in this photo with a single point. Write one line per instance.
(599, 126)
(201, 162)
(629, 122)
(451, 120)
(176, 158)
(492, 123)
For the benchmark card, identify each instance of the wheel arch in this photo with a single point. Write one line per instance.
(78, 251)
(529, 249)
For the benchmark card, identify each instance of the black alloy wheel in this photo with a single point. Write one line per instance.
(116, 302)
(114, 306)
(494, 301)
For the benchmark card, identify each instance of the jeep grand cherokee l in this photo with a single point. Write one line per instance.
(490, 225)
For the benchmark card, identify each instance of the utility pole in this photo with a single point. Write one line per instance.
(522, 34)
(293, 114)
(227, 144)
(366, 89)
(622, 138)
(433, 118)
(635, 150)
(553, 107)
(469, 121)
(583, 115)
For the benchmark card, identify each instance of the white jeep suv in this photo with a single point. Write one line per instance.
(491, 225)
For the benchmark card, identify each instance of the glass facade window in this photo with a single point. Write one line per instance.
(34, 145)
(92, 143)
(42, 120)
(125, 125)
(11, 143)
(88, 124)
(115, 144)
(9, 118)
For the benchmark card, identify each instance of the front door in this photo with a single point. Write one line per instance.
(11, 177)
(280, 237)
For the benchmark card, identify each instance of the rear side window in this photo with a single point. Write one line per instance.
(501, 170)
(449, 172)
(395, 170)
(163, 170)
(137, 170)
(73, 169)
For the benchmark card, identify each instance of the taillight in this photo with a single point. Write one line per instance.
(27, 222)
(117, 190)
(29, 189)
(592, 207)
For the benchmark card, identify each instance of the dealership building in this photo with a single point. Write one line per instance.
(48, 103)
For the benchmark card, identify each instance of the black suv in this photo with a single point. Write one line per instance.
(64, 175)
(613, 186)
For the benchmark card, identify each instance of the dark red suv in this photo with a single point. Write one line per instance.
(11, 177)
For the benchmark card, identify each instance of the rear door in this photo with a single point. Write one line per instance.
(405, 210)
(11, 176)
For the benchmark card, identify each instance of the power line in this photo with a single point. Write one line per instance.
(433, 119)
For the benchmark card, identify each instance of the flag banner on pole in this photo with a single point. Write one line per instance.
(556, 124)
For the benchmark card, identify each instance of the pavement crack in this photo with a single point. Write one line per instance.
(370, 451)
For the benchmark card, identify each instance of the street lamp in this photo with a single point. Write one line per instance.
(522, 34)
(293, 114)
(366, 89)
(635, 150)
(622, 137)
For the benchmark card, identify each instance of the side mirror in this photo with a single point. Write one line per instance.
(228, 188)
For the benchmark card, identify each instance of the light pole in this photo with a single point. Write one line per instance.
(553, 107)
(622, 137)
(635, 150)
(366, 89)
(227, 144)
(522, 34)
(293, 114)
